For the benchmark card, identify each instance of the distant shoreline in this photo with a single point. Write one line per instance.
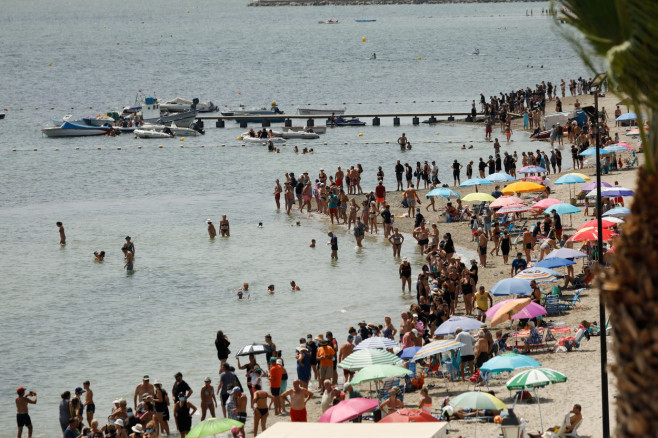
(370, 2)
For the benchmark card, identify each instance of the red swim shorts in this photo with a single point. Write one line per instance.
(298, 416)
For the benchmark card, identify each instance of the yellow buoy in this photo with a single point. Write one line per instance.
(160, 147)
(104, 27)
(273, 103)
(197, 42)
(438, 133)
(182, 139)
(364, 39)
(240, 138)
(118, 148)
(139, 147)
(360, 134)
(50, 64)
(419, 58)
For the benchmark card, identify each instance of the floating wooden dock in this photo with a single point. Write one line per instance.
(310, 119)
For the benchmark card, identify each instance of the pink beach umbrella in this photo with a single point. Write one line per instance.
(590, 234)
(545, 203)
(348, 410)
(505, 201)
(515, 208)
(534, 178)
(605, 223)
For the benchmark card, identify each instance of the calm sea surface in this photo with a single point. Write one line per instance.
(65, 319)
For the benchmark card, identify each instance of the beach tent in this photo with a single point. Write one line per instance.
(361, 430)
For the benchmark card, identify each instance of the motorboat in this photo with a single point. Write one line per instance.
(296, 134)
(2, 116)
(321, 112)
(178, 131)
(247, 138)
(330, 21)
(366, 20)
(180, 104)
(99, 120)
(69, 129)
(315, 129)
(151, 133)
(148, 109)
(476, 51)
(340, 121)
(253, 113)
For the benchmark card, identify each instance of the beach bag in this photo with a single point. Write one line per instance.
(405, 203)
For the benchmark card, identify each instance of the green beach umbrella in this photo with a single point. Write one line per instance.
(379, 372)
(212, 427)
(362, 358)
(478, 400)
(536, 378)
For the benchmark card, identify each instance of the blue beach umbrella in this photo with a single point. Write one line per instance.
(511, 286)
(449, 327)
(569, 179)
(554, 262)
(475, 182)
(626, 117)
(615, 148)
(532, 169)
(592, 151)
(617, 212)
(443, 192)
(616, 191)
(408, 353)
(509, 362)
(500, 177)
(563, 208)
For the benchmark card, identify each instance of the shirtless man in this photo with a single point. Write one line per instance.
(224, 228)
(402, 141)
(411, 196)
(422, 235)
(406, 325)
(261, 409)
(240, 410)
(212, 232)
(144, 388)
(208, 400)
(62, 236)
(528, 242)
(306, 198)
(575, 417)
(340, 175)
(89, 402)
(22, 416)
(277, 194)
(289, 197)
(345, 350)
(298, 398)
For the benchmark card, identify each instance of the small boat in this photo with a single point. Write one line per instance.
(176, 130)
(256, 112)
(296, 134)
(366, 20)
(69, 129)
(340, 121)
(321, 112)
(247, 138)
(329, 21)
(150, 133)
(99, 120)
(2, 116)
(180, 104)
(149, 112)
(476, 51)
(314, 129)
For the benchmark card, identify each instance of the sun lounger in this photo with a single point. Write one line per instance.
(552, 305)
(570, 304)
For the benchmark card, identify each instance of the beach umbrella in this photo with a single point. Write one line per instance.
(563, 208)
(475, 182)
(592, 151)
(518, 208)
(505, 201)
(377, 342)
(409, 416)
(540, 275)
(617, 212)
(570, 178)
(437, 347)
(506, 309)
(534, 178)
(508, 362)
(532, 169)
(254, 349)
(554, 262)
(531, 308)
(546, 202)
(615, 148)
(379, 372)
(449, 326)
(590, 234)
(616, 191)
(479, 197)
(567, 253)
(582, 175)
(624, 145)
(615, 220)
(535, 378)
(523, 187)
(409, 352)
(212, 427)
(443, 192)
(477, 400)
(511, 286)
(626, 117)
(605, 223)
(362, 358)
(500, 177)
(592, 186)
(348, 410)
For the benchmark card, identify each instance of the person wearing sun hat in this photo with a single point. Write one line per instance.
(212, 232)
(325, 356)
(208, 400)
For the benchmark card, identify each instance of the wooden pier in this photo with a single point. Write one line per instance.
(310, 119)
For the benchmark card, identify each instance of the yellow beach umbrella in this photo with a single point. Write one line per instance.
(505, 312)
(479, 197)
(523, 187)
(582, 175)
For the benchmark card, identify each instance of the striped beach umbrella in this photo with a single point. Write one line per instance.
(477, 400)
(363, 358)
(582, 175)
(518, 208)
(535, 378)
(379, 372)
(617, 212)
(437, 347)
(450, 326)
(377, 342)
(540, 275)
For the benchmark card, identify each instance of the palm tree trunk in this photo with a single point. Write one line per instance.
(629, 291)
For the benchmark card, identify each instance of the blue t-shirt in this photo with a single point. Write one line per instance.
(334, 243)
(304, 370)
(333, 199)
(70, 433)
(519, 265)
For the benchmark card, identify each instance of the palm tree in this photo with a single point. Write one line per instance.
(623, 34)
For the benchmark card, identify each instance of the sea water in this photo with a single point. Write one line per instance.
(65, 319)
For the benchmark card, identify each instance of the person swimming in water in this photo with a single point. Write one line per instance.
(99, 256)
(293, 285)
(270, 289)
(312, 245)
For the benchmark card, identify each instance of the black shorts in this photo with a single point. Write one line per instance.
(224, 397)
(398, 176)
(468, 358)
(423, 242)
(23, 420)
(241, 417)
(483, 250)
(91, 408)
(275, 391)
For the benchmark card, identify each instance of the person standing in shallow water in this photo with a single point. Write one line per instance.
(62, 235)
(224, 227)
(334, 245)
(212, 232)
(277, 194)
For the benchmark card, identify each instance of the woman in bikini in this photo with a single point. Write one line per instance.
(224, 227)
(354, 209)
(495, 237)
(425, 401)
(358, 179)
(373, 217)
(261, 409)
(396, 240)
(435, 236)
(391, 404)
(365, 214)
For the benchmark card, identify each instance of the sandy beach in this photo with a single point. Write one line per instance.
(581, 366)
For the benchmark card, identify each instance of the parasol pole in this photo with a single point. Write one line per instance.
(541, 420)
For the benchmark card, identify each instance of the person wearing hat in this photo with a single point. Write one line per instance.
(345, 350)
(138, 430)
(364, 331)
(212, 232)
(392, 403)
(22, 415)
(276, 374)
(208, 400)
(161, 401)
(325, 356)
(183, 415)
(181, 385)
(303, 359)
(143, 389)
(350, 392)
(239, 405)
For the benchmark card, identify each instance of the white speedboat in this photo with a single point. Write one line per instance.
(176, 130)
(247, 139)
(99, 120)
(296, 134)
(68, 129)
(149, 112)
(329, 21)
(180, 104)
(150, 133)
(253, 113)
(320, 112)
(315, 129)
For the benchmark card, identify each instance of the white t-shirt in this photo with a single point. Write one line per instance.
(468, 341)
